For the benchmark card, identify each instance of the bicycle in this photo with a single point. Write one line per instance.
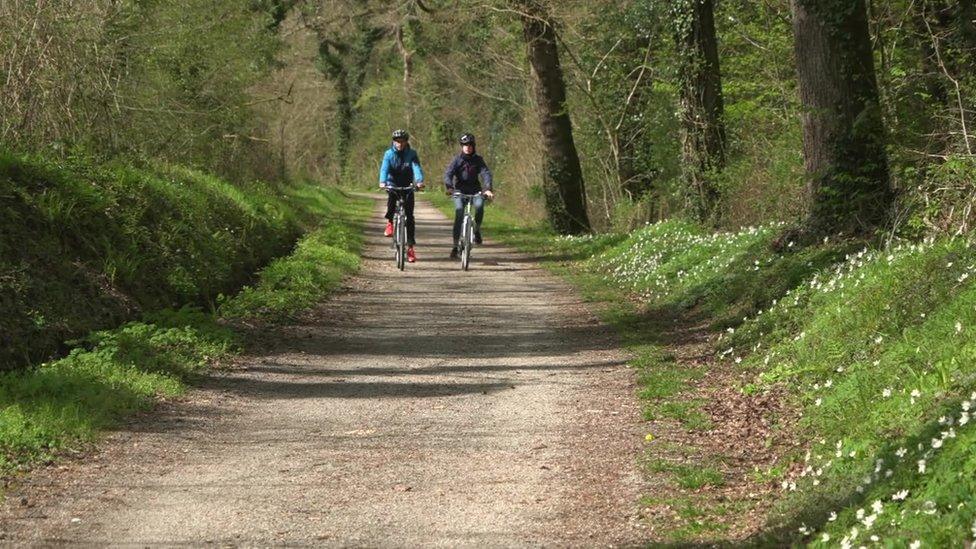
(400, 225)
(468, 229)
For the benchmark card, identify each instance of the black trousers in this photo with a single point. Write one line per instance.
(407, 209)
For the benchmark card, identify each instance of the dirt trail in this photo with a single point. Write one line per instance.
(428, 407)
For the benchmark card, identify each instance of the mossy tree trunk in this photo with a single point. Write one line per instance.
(702, 106)
(344, 63)
(843, 132)
(565, 193)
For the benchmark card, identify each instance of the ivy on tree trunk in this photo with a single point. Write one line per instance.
(702, 106)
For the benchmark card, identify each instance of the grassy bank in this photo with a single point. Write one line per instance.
(48, 409)
(85, 246)
(868, 356)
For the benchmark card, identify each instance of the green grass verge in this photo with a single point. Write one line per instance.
(880, 357)
(314, 269)
(875, 349)
(61, 405)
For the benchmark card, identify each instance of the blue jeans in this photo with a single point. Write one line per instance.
(478, 203)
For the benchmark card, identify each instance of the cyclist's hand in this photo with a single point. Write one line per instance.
(449, 192)
(420, 186)
(489, 195)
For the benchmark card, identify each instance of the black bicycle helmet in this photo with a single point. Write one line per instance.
(400, 134)
(467, 139)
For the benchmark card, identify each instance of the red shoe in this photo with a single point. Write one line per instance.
(411, 255)
(389, 229)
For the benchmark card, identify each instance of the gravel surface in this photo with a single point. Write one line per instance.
(428, 407)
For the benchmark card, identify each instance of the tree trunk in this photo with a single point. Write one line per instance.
(565, 193)
(843, 133)
(967, 26)
(333, 66)
(934, 78)
(703, 128)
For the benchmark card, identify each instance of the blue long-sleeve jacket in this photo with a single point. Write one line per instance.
(462, 174)
(400, 168)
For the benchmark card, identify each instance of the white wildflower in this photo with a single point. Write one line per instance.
(921, 466)
(877, 506)
(832, 517)
(886, 393)
(900, 495)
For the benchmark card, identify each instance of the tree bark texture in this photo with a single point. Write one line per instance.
(843, 132)
(702, 106)
(565, 194)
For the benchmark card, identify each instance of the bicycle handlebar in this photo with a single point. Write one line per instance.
(391, 188)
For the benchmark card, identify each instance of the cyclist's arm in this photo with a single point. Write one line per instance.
(418, 172)
(449, 175)
(385, 170)
(485, 176)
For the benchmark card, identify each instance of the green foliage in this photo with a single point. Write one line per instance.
(85, 246)
(59, 405)
(165, 80)
(313, 270)
(882, 337)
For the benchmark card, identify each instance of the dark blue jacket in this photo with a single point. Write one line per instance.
(400, 168)
(462, 174)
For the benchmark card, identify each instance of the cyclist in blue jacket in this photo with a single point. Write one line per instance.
(401, 168)
(461, 176)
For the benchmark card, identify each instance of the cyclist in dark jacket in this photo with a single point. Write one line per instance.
(461, 177)
(401, 168)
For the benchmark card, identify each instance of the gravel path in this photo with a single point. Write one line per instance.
(430, 407)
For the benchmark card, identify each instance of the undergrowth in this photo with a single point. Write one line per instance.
(872, 346)
(55, 407)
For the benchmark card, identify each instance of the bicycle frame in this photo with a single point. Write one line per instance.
(467, 229)
(400, 225)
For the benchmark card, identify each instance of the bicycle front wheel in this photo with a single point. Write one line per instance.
(401, 243)
(467, 241)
